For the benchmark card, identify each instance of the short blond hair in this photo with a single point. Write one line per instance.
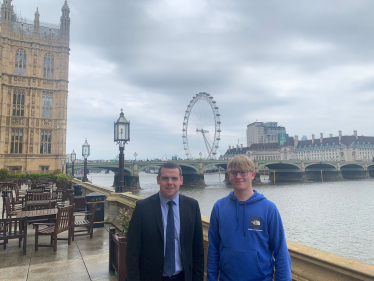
(241, 163)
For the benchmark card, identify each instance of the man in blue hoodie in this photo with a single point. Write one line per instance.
(246, 235)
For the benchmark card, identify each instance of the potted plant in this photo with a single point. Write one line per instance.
(118, 244)
(63, 180)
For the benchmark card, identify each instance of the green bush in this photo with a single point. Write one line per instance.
(64, 178)
(4, 174)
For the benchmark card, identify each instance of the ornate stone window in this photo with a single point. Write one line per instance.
(20, 62)
(45, 142)
(16, 141)
(47, 102)
(18, 103)
(48, 70)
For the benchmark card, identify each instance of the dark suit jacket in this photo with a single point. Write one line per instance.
(145, 242)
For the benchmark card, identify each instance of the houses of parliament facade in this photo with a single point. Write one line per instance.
(34, 68)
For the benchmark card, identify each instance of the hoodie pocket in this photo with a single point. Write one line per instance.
(240, 265)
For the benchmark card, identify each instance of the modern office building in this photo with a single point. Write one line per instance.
(265, 132)
(34, 68)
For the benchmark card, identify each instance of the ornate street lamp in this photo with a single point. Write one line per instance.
(66, 162)
(85, 154)
(121, 136)
(200, 155)
(73, 158)
(135, 154)
(62, 165)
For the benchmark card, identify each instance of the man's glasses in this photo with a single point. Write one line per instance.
(234, 173)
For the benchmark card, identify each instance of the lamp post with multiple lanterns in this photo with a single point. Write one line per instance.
(62, 165)
(85, 154)
(121, 137)
(73, 158)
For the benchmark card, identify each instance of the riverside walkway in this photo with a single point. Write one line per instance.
(84, 260)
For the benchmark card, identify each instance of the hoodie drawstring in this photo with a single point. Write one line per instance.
(237, 216)
(245, 207)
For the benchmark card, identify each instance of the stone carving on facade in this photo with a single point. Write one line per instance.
(19, 81)
(31, 140)
(18, 121)
(46, 123)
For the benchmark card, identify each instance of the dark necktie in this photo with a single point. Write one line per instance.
(169, 260)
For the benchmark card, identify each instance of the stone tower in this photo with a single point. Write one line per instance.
(34, 70)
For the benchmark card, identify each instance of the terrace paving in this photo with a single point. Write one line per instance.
(85, 258)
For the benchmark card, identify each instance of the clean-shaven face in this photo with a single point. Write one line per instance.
(169, 182)
(242, 182)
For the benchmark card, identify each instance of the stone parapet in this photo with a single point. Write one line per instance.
(308, 264)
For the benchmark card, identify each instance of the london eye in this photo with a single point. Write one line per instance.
(201, 127)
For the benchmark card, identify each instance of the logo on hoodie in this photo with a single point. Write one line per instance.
(255, 223)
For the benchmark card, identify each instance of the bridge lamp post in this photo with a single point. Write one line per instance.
(85, 154)
(200, 155)
(121, 137)
(73, 158)
(135, 154)
(62, 165)
(66, 162)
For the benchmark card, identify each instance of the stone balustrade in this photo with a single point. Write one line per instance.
(308, 264)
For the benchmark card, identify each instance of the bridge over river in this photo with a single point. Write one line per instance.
(278, 170)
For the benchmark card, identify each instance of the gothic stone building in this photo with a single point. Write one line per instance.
(34, 68)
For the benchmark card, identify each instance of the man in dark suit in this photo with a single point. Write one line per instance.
(165, 237)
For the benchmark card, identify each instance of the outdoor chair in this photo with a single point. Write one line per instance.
(87, 223)
(50, 205)
(17, 201)
(20, 196)
(58, 195)
(79, 202)
(9, 209)
(14, 228)
(63, 223)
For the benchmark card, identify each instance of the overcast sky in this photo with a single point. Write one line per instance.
(308, 65)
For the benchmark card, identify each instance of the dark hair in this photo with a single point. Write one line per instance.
(170, 165)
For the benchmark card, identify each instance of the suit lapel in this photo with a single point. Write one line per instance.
(157, 210)
(183, 211)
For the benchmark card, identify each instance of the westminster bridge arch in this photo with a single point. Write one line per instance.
(282, 170)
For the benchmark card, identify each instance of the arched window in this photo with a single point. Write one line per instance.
(18, 103)
(45, 142)
(16, 141)
(49, 63)
(20, 64)
(47, 103)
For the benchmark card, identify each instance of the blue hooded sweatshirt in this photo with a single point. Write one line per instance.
(246, 241)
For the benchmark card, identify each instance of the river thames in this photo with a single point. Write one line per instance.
(336, 217)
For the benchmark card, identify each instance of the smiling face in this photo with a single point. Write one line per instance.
(242, 182)
(241, 174)
(169, 181)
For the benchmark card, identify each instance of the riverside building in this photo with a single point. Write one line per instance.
(332, 148)
(34, 68)
(265, 132)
